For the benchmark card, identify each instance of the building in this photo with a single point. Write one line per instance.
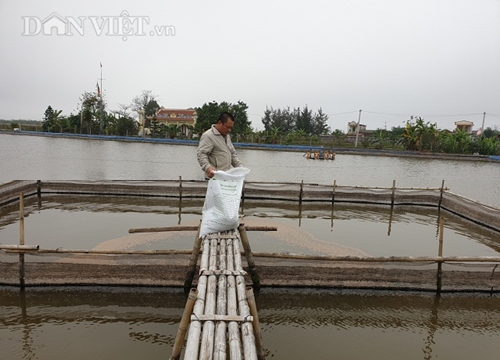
(464, 125)
(351, 127)
(361, 134)
(185, 119)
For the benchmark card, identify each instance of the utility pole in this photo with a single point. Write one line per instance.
(482, 126)
(357, 130)
(102, 106)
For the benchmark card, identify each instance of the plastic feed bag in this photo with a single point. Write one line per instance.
(222, 201)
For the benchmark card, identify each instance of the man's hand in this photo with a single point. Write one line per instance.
(210, 172)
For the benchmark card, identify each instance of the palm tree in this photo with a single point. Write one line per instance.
(173, 130)
(380, 138)
(410, 136)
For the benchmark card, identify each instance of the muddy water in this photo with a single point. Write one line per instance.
(86, 323)
(41, 158)
(118, 323)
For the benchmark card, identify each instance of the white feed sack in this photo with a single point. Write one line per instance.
(222, 202)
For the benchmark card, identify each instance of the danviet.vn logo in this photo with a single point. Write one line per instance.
(123, 25)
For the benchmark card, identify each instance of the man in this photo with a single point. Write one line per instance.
(215, 150)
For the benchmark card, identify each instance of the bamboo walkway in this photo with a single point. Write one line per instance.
(220, 313)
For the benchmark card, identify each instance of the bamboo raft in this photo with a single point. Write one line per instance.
(221, 313)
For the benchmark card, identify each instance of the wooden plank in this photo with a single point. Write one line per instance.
(216, 317)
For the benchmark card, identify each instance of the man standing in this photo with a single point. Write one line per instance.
(215, 150)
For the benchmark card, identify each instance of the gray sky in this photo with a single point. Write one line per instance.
(438, 59)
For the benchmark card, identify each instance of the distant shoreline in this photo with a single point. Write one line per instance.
(272, 147)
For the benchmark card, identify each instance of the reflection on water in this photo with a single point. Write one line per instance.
(83, 323)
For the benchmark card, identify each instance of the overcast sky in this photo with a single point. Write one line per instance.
(438, 59)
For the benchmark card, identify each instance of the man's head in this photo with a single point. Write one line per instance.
(225, 123)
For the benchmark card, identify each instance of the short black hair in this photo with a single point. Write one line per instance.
(225, 116)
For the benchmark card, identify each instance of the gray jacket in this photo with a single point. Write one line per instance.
(217, 151)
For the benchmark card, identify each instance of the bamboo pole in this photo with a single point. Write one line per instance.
(301, 193)
(194, 228)
(248, 254)
(208, 334)
(21, 241)
(193, 340)
(333, 191)
(22, 248)
(164, 229)
(180, 187)
(440, 255)
(255, 323)
(484, 259)
(30, 248)
(39, 190)
(233, 329)
(390, 221)
(21, 219)
(393, 191)
(193, 261)
(220, 350)
(492, 259)
(184, 324)
(249, 349)
(441, 195)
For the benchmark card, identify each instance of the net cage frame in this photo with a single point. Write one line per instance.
(156, 268)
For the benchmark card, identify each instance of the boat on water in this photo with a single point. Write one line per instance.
(320, 155)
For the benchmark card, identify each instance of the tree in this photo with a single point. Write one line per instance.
(338, 136)
(489, 132)
(127, 126)
(410, 136)
(380, 138)
(208, 114)
(280, 120)
(287, 120)
(305, 121)
(51, 120)
(319, 125)
(48, 119)
(91, 105)
(173, 131)
(145, 105)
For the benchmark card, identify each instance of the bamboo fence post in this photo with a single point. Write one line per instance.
(301, 192)
(180, 187)
(333, 191)
(441, 195)
(21, 241)
(248, 254)
(39, 189)
(21, 219)
(255, 323)
(390, 221)
(393, 191)
(440, 256)
(333, 202)
(184, 324)
(232, 309)
(192, 262)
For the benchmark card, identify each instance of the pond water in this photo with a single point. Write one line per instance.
(43, 158)
(111, 323)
